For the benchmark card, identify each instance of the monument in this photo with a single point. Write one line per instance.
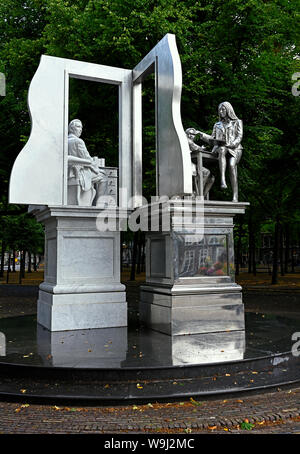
(190, 287)
(83, 346)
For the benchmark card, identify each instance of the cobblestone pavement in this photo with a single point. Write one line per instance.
(270, 412)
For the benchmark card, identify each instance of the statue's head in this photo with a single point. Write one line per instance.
(191, 132)
(225, 110)
(75, 127)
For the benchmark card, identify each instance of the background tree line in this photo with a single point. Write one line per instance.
(242, 51)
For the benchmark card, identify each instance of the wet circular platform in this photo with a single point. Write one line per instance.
(136, 363)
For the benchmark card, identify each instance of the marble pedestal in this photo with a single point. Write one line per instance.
(82, 286)
(190, 284)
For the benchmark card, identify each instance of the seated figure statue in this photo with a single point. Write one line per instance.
(226, 140)
(86, 181)
(207, 178)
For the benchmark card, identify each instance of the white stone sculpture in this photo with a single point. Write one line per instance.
(87, 182)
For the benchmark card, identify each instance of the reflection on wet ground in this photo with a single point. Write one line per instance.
(24, 342)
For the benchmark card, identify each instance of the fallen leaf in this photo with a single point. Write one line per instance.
(240, 400)
(17, 410)
(212, 427)
(188, 430)
(195, 402)
(227, 375)
(24, 405)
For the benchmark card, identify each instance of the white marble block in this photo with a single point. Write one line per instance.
(82, 288)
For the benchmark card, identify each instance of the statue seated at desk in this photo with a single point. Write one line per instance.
(198, 171)
(87, 181)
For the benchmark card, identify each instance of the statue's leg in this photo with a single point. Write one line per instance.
(233, 178)
(222, 165)
(208, 185)
(196, 185)
(101, 190)
(206, 175)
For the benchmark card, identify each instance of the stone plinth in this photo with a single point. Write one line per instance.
(190, 283)
(82, 286)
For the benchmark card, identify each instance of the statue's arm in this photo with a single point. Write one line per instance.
(239, 135)
(206, 137)
(75, 160)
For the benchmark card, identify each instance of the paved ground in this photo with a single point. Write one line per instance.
(271, 412)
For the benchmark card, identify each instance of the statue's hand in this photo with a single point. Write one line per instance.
(200, 134)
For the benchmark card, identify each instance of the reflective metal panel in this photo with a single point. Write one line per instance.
(174, 169)
(207, 256)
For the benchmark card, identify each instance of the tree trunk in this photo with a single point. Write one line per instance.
(281, 250)
(292, 260)
(29, 262)
(254, 255)
(250, 246)
(134, 254)
(34, 263)
(8, 268)
(3, 247)
(14, 261)
(23, 264)
(275, 254)
(287, 249)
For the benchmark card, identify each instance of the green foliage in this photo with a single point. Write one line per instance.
(243, 51)
(247, 425)
(22, 233)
